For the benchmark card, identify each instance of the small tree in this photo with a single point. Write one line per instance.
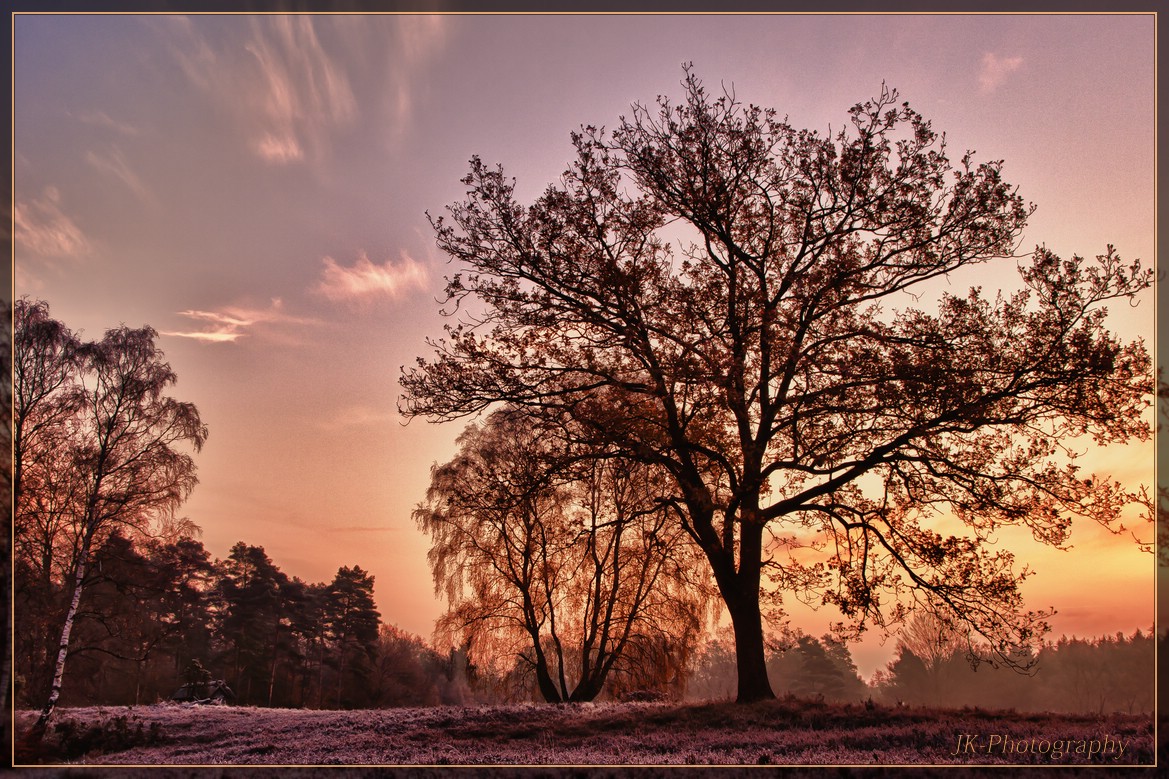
(116, 448)
(763, 371)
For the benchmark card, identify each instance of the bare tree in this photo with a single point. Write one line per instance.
(763, 370)
(120, 453)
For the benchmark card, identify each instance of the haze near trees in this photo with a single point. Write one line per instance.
(726, 298)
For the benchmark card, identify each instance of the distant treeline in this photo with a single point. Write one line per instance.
(1097, 675)
(154, 612)
(153, 607)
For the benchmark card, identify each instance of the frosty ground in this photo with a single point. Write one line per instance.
(791, 732)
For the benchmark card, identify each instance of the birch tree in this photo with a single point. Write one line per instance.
(121, 447)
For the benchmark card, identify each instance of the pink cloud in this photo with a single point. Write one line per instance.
(234, 322)
(995, 69)
(364, 279)
(43, 229)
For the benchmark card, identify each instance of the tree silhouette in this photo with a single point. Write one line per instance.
(107, 443)
(6, 477)
(1098, 676)
(767, 370)
(352, 622)
(251, 619)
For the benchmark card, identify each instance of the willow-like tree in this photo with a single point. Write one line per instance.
(777, 370)
(559, 557)
(102, 447)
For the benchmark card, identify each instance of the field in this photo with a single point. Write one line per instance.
(791, 732)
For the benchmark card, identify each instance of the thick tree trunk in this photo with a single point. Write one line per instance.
(544, 680)
(740, 592)
(591, 682)
(750, 658)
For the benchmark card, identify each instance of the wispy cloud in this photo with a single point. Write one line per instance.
(286, 91)
(290, 86)
(365, 280)
(304, 91)
(44, 230)
(995, 70)
(231, 323)
(362, 529)
(114, 163)
(192, 52)
(359, 416)
(104, 120)
(420, 40)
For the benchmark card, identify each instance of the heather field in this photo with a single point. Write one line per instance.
(785, 732)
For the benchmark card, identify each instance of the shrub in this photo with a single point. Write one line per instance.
(114, 734)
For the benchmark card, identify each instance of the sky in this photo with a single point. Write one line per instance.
(255, 187)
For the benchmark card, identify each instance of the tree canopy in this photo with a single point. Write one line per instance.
(723, 296)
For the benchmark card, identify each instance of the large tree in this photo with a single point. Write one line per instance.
(102, 449)
(769, 368)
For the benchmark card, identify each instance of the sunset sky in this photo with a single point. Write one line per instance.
(255, 188)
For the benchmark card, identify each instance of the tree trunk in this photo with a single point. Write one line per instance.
(341, 673)
(750, 658)
(34, 737)
(275, 656)
(742, 600)
(588, 689)
(544, 678)
(9, 636)
(321, 675)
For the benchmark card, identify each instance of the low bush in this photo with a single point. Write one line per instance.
(111, 734)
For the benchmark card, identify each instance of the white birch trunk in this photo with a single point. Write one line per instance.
(38, 730)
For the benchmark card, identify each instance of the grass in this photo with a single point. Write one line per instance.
(783, 732)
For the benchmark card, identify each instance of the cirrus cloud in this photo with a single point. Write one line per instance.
(364, 279)
(303, 91)
(43, 229)
(115, 164)
(287, 93)
(234, 322)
